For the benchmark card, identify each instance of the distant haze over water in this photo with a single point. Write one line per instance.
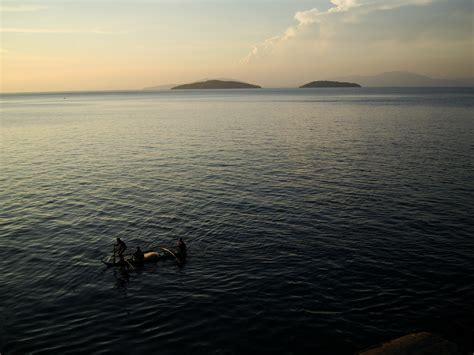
(317, 220)
(406, 79)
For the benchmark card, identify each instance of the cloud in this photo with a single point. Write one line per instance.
(321, 25)
(22, 8)
(58, 31)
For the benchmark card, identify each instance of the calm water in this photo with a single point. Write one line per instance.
(319, 221)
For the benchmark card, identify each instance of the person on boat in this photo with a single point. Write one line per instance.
(120, 247)
(124, 276)
(138, 256)
(123, 264)
(181, 247)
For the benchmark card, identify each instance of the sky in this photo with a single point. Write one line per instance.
(62, 45)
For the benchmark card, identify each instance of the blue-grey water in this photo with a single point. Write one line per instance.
(318, 221)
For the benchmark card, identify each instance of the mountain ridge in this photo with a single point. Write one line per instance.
(404, 79)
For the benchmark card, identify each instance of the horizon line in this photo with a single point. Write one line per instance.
(86, 91)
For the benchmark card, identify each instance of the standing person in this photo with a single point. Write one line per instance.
(121, 247)
(122, 280)
(181, 246)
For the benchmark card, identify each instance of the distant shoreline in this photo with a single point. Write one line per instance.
(394, 79)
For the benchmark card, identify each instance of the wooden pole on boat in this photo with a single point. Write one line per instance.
(114, 255)
(172, 254)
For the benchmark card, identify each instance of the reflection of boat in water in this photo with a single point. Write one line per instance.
(149, 256)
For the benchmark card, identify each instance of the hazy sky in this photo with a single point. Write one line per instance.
(49, 45)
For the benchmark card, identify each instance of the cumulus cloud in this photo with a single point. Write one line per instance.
(325, 22)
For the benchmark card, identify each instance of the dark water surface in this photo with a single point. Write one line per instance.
(319, 221)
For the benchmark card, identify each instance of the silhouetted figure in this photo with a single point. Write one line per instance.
(138, 256)
(181, 247)
(123, 264)
(123, 276)
(182, 252)
(120, 247)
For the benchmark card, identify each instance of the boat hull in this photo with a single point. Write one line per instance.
(148, 257)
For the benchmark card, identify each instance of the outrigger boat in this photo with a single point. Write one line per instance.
(149, 256)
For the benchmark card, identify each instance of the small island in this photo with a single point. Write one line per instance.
(330, 84)
(216, 84)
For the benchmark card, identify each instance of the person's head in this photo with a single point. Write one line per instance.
(118, 239)
(138, 249)
(180, 239)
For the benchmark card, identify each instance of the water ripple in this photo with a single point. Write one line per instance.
(316, 223)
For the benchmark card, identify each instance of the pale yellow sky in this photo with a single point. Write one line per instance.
(52, 45)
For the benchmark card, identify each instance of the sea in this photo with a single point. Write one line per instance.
(318, 221)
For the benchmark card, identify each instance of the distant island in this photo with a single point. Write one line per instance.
(388, 79)
(216, 84)
(330, 84)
